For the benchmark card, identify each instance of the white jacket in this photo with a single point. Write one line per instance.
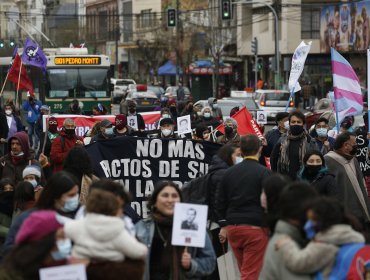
(103, 238)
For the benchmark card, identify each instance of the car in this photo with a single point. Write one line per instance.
(273, 101)
(120, 88)
(158, 90)
(250, 103)
(171, 92)
(146, 100)
(322, 106)
(224, 104)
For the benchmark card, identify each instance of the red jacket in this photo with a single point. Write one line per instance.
(60, 149)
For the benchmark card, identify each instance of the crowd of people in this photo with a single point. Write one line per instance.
(283, 218)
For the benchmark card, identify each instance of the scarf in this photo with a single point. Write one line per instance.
(163, 226)
(284, 149)
(351, 171)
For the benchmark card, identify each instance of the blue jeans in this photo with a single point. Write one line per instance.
(34, 141)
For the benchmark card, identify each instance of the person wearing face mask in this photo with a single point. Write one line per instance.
(207, 118)
(74, 108)
(328, 228)
(342, 163)
(52, 133)
(324, 142)
(202, 133)
(14, 122)
(189, 110)
(106, 131)
(61, 145)
(128, 107)
(32, 106)
(287, 155)
(273, 136)
(166, 127)
(121, 128)
(39, 233)
(13, 163)
(32, 174)
(231, 133)
(239, 210)
(6, 207)
(216, 111)
(316, 173)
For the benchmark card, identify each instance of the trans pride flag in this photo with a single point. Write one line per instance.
(347, 89)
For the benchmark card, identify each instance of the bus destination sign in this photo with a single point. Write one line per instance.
(77, 60)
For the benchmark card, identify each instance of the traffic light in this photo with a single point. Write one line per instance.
(2, 45)
(259, 64)
(12, 42)
(171, 18)
(254, 46)
(226, 9)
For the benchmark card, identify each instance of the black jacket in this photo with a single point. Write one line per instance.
(4, 129)
(218, 169)
(238, 201)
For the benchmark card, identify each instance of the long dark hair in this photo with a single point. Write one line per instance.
(78, 163)
(313, 152)
(58, 184)
(225, 153)
(158, 188)
(27, 259)
(24, 192)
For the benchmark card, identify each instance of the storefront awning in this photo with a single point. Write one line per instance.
(167, 69)
(206, 67)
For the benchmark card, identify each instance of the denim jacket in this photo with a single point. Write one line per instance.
(203, 259)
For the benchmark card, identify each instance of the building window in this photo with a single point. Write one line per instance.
(146, 18)
(127, 22)
(103, 25)
(310, 23)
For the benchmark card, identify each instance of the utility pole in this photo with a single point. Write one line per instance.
(177, 43)
(117, 35)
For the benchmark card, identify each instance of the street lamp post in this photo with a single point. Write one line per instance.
(277, 52)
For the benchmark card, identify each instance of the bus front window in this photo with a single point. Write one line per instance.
(93, 82)
(62, 82)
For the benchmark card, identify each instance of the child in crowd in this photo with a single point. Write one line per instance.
(32, 174)
(101, 235)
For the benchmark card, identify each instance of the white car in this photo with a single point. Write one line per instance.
(274, 101)
(120, 88)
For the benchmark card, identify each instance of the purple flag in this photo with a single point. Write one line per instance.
(33, 55)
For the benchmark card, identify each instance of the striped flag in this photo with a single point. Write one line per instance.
(347, 89)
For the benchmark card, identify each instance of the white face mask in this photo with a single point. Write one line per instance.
(286, 125)
(166, 116)
(238, 160)
(215, 106)
(207, 115)
(8, 112)
(34, 183)
(166, 132)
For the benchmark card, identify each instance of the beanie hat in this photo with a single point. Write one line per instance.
(121, 121)
(38, 225)
(172, 101)
(45, 108)
(105, 123)
(166, 121)
(32, 170)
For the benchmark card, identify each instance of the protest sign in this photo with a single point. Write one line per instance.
(183, 125)
(132, 121)
(363, 155)
(189, 225)
(85, 123)
(262, 117)
(138, 163)
(64, 272)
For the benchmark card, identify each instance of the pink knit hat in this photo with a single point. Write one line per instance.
(38, 225)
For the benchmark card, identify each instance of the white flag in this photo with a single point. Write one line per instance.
(298, 60)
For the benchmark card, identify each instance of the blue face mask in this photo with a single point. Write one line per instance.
(64, 250)
(309, 229)
(322, 132)
(71, 204)
(34, 183)
(109, 131)
(238, 160)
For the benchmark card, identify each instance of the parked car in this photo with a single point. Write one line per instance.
(273, 101)
(247, 102)
(120, 88)
(322, 106)
(146, 100)
(171, 92)
(158, 90)
(224, 104)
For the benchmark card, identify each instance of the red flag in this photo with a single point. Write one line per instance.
(25, 82)
(246, 123)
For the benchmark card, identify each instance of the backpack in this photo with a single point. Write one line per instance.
(197, 190)
(351, 262)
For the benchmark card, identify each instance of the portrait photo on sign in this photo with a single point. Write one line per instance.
(132, 121)
(183, 124)
(189, 225)
(262, 117)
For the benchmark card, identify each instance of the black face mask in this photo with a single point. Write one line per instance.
(296, 129)
(132, 110)
(353, 152)
(312, 170)
(70, 131)
(229, 130)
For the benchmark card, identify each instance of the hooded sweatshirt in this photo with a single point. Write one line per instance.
(103, 237)
(12, 167)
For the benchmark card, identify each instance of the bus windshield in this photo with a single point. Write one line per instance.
(77, 82)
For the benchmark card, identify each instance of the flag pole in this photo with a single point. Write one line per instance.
(19, 80)
(291, 96)
(6, 79)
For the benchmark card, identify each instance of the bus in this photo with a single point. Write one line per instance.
(71, 74)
